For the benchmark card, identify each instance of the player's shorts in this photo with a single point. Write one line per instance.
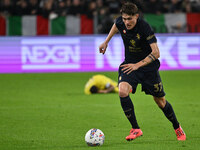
(150, 81)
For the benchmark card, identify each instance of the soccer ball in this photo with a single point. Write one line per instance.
(94, 137)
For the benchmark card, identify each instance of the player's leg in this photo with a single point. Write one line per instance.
(128, 108)
(127, 104)
(152, 85)
(167, 109)
(126, 84)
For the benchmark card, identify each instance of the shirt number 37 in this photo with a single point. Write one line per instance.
(158, 87)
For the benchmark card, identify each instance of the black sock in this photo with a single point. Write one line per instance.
(128, 108)
(169, 113)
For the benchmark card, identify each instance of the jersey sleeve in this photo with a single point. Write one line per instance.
(103, 82)
(148, 33)
(118, 23)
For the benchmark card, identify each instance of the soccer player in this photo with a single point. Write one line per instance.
(141, 65)
(100, 84)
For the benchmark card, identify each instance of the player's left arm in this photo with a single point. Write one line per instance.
(155, 54)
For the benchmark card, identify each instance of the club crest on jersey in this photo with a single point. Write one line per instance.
(132, 43)
(124, 31)
(138, 36)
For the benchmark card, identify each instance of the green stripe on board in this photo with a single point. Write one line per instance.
(58, 26)
(157, 22)
(15, 25)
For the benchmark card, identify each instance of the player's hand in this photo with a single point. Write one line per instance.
(103, 47)
(128, 68)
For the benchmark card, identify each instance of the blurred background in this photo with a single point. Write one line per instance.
(64, 35)
(64, 17)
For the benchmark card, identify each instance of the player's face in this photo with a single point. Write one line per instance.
(129, 20)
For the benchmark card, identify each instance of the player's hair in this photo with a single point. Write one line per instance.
(93, 89)
(129, 9)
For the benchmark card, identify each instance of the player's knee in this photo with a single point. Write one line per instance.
(124, 89)
(123, 93)
(160, 101)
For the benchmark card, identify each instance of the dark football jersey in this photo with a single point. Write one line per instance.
(137, 42)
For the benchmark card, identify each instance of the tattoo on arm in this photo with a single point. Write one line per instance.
(150, 57)
(153, 56)
(144, 61)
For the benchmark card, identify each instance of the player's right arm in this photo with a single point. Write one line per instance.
(104, 45)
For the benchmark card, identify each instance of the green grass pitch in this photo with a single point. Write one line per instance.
(50, 112)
